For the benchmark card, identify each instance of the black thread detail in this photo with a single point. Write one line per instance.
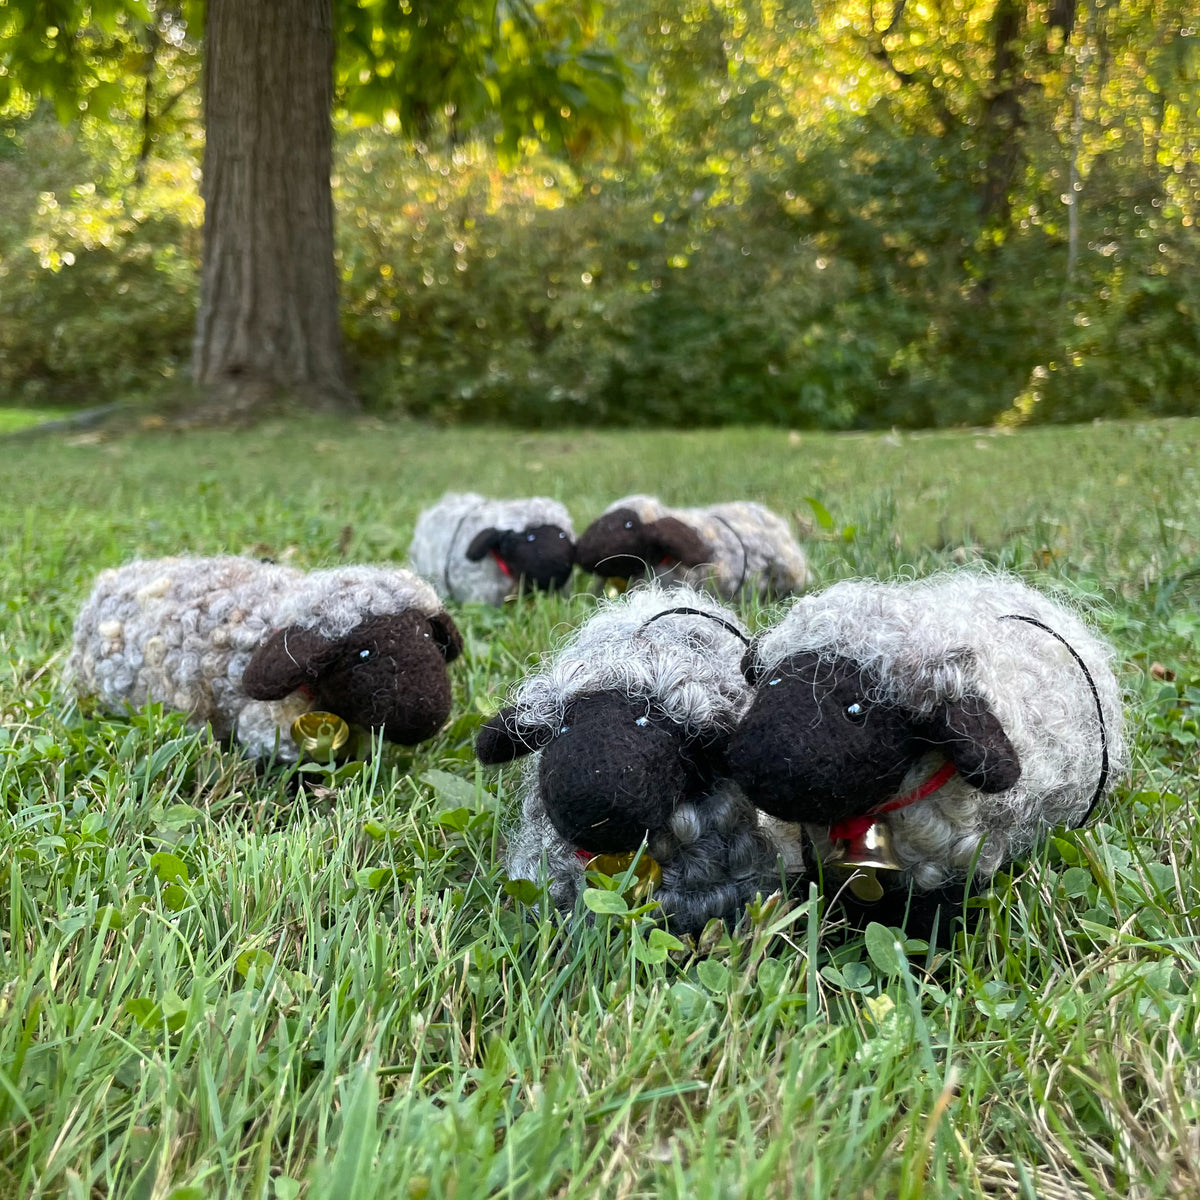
(745, 556)
(699, 612)
(1104, 764)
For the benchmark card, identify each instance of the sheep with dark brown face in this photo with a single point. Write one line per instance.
(248, 647)
(627, 724)
(734, 550)
(475, 549)
(967, 712)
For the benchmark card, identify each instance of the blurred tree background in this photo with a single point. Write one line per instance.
(807, 214)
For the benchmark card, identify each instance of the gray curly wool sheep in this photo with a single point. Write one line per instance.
(735, 550)
(249, 646)
(628, 721)
(984, 711)
(473, 548)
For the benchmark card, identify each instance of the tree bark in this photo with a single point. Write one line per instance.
(1002, 117)
(268, 327)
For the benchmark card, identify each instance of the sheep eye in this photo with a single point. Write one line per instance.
(628, 524)
(773, 682)
(856, 712)
(642, 721)
(564, 728)
(561, 535)
(364, 654)
(531, 537)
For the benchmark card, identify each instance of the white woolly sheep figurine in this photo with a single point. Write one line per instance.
(735, 550)
(249, 646)
(473, 548)
(628, 722)
(967, 712)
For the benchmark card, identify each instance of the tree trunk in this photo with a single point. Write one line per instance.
(268, 322)
(1002, 118)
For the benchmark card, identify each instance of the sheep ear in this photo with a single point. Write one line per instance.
(484, 541)
(446, 635)
(288, 658)
(971, 734)
(506, 737)
(752, 669)
(674, 539)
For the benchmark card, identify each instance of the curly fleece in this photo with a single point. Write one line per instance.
(753, 551)
(688, 665)
(180, 631)
(943, 638)
(715, 854)
(445, 530)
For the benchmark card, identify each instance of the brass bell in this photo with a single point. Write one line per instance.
(320, 735)
(861, 857)
(872, 848)
(614, 586)
(647, 874)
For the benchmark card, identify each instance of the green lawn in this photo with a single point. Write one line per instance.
(213, 984)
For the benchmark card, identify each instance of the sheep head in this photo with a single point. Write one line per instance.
(387, 673)
(817, 747)
(612, 772)
(541, 555)
(621, 544)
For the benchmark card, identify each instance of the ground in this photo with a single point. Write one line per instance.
(217, 983)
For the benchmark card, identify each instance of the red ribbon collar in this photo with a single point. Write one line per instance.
(855, 827)
(504, 567)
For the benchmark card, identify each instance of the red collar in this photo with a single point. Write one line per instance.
(855, 827)
(504, 567)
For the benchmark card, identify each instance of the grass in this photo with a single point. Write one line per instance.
(215, 983)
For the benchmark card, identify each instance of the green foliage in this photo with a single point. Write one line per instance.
(797, 235)
(538, 68)
(97, 279)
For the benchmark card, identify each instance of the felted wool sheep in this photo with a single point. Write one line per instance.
(472, 548)
(968, 712)
(628, 722)
(249, 646)
(735, 550)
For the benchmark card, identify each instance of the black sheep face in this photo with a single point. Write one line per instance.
(612, 772)
(620, 544)
(542, 556)
(388, 673)
(815, 748)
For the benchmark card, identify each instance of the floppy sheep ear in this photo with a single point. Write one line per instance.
(288, 658)
(484, 541)
(446, 635)
(506, 737)
(971, 734)
(674, 539)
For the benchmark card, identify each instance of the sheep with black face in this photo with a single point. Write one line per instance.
(627, 724)
(734, 550)
(248, 647)
(475, 549)
(968, 712)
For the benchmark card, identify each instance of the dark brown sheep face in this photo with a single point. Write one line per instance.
(540, 556)
(620, 544)
(611, 773)
(389, 673)
(815, 748)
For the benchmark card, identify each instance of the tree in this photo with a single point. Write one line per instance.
(268, 313)
(268, 320)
